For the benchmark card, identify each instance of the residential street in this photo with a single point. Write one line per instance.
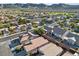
(11, 36)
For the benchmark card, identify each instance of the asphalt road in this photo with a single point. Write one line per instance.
(2, 39)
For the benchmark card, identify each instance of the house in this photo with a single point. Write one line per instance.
(49, 27)
(30, 17)
(67, 54)
(14, 21)
(5, 31)
(54, 18)
(23, 27)
(32, 34)
(51, 50)
(17, 29)
(63, 17)
(73, 19)
(49, 20)
(77, 15)
(36, 22)
(39, 19)
(57, 31)
(36, 43)
(24, 38)
(29, 26)
(73, 37)
(71, 40)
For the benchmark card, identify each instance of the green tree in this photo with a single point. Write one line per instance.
(21, 21)
(1, 25)
(35, 25)
(1, 33)
(43, 21)
(18, 48)
(7, 25)
(40, 31)
(10, 17)
(72, 25)
(60, 23)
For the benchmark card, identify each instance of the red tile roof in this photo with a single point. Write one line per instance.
(36, 43)
(24, 38)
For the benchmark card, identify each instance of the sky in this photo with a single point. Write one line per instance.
(41, 1)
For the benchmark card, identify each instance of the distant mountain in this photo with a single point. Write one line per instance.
(29, 5)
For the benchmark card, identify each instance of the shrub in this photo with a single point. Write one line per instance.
(18, 48)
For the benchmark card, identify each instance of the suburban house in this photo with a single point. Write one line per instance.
(4, 31)
(51, 50)
(57, 31)
(73, 39)
(67, 54)
(39, 45)
(35, 44)
(49, 27)
(49, 20)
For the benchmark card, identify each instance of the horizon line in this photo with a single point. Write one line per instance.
(43, 3)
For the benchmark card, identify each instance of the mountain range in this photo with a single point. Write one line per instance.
(30, 5)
